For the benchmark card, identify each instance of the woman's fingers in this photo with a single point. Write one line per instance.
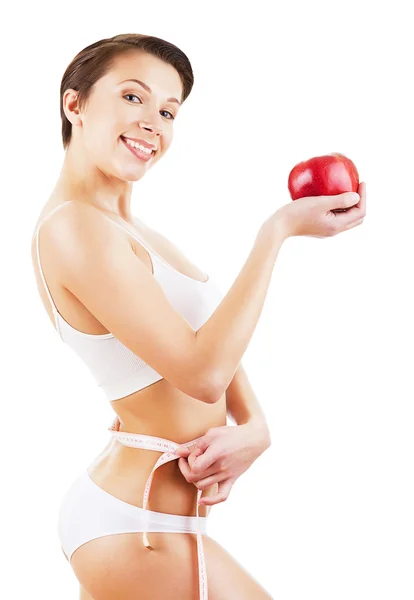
(190, 476)
(362, 191)
(224, 489)
(353, 224)
(353, 215)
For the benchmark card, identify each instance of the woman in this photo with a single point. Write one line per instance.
(159, 337)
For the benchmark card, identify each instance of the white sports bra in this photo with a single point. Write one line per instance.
(116, 369)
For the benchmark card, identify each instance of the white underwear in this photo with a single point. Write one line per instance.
(88, 512)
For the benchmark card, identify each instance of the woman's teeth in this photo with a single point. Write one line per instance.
(136, 145)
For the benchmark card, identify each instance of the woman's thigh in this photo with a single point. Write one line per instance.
(83, 594)
(227, 579)
(120, 567)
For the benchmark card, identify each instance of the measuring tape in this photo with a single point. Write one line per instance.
(167, 447)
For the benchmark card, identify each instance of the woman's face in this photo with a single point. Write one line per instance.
(117, 108)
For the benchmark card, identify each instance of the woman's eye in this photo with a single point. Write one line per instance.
(168, 113)
(134, 96)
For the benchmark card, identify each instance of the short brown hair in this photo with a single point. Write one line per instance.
(94, 61)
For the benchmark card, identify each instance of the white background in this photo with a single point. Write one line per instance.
(327, 512)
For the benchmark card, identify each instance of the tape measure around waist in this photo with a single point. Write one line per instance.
(167, 447)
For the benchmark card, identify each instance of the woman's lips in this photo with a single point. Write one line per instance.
(137, 152)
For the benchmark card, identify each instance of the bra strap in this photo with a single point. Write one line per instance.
(54, 309)
(135, 235)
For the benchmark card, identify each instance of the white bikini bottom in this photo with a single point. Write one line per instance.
(88, 512)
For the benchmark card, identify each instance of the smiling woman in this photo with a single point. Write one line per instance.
(97, 59)
(119, 99)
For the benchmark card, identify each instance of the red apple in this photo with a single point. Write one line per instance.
(326, 175)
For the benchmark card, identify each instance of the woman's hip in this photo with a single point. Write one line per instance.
(88, 511)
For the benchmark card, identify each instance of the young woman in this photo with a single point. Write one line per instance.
(157, 334)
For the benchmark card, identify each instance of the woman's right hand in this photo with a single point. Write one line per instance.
(313, 215)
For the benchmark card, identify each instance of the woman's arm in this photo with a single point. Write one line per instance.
(225, 336)
(224, 453)
(243, 406)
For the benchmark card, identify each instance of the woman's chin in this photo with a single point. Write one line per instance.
(131, 174)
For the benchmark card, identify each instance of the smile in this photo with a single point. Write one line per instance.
(137, 152)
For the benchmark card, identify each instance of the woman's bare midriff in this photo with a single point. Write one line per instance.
(163, 412)
(159, 409)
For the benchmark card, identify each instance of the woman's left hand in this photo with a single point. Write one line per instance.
(221, 456)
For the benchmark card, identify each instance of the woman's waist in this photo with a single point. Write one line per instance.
(126, 478)
(124, 466)
(169, 415)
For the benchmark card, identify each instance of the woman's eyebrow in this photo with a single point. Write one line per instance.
(149, 90)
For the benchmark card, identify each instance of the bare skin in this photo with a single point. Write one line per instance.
(160, 409)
